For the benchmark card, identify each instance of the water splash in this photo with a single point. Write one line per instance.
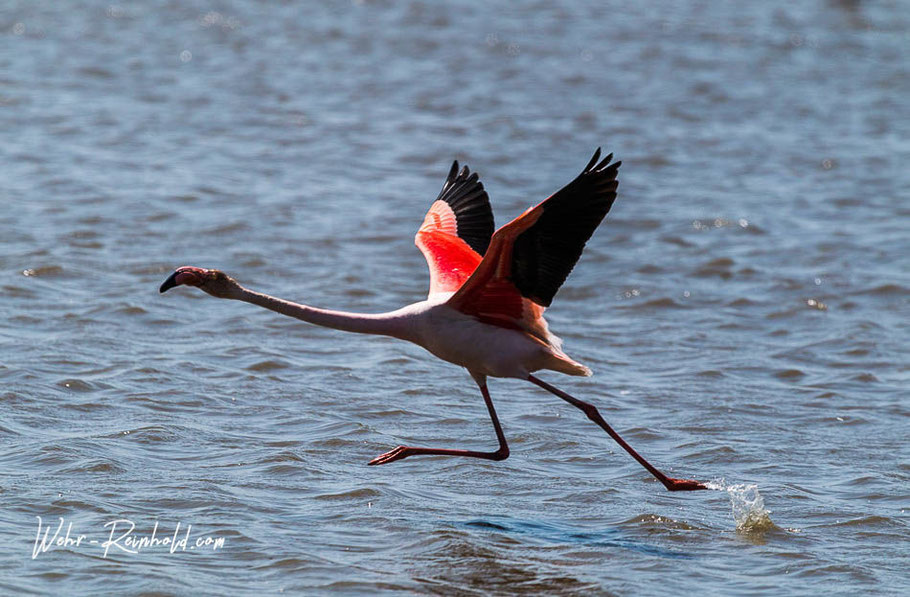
(749, 510)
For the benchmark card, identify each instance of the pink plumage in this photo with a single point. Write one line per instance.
(488, 292)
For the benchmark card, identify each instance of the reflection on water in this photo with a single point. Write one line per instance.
(560, 534)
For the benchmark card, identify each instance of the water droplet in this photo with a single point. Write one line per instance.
(749, 509)
(186, 56)
(19, 28)
(816, 304)
(210, 18)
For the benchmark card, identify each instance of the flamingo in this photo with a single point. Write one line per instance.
(488, 292)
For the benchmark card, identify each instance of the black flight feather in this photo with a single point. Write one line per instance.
(465, 195)
(544, 255)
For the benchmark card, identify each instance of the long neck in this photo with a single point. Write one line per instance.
(394, 324)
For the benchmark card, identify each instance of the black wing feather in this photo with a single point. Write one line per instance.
(465, 195)
(544, 255)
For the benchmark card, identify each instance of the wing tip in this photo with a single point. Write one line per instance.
(453, 171)
(593, 161)
(598, 165)
(458, 173)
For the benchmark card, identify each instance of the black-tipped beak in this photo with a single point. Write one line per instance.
(169, 283)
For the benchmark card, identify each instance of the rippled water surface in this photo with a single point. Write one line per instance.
(744, 307)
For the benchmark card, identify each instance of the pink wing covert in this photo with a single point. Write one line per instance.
(451, 260)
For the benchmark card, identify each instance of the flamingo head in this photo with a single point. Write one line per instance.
(213, 281)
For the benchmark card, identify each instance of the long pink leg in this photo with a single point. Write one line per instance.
(501, 454)
(589, 409)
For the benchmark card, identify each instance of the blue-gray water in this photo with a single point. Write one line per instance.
(744, 307)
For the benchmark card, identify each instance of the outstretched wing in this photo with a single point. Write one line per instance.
(456, 231)
(530, 257)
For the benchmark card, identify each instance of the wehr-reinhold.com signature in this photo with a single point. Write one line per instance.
(122, 537)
